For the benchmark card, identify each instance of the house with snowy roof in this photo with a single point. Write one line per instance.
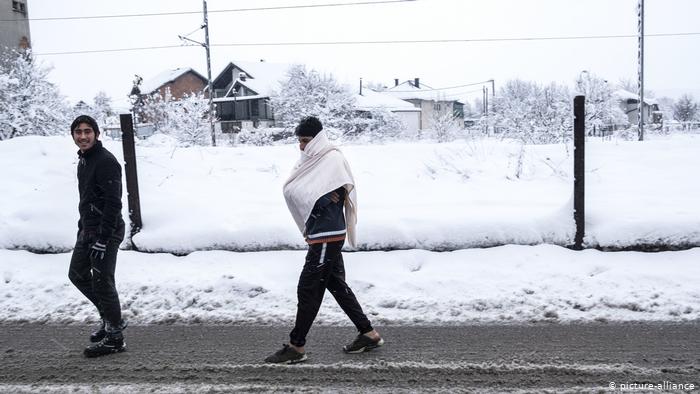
(629, 102)
(179, 81)
(242, 93)
(368, 100)
(430, 101)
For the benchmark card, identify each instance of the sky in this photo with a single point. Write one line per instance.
(670, 62)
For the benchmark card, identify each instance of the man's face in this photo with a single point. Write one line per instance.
(84, 136)
(303, 141)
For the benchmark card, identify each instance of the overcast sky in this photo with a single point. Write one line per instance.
(671, 63)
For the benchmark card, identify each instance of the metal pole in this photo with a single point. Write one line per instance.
(640, 58)
(579, 167)
(486, 96)
(211, 91)
(132, 182)
(493, 88)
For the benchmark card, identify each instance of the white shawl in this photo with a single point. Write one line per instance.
(321, 169)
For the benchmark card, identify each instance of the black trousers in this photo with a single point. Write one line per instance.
(324, 269)
(96, 281)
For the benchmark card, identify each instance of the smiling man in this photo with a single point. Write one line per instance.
(100, 231)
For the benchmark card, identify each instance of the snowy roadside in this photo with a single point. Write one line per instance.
(503, 284)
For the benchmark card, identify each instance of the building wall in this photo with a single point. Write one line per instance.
(185, 84)
(632, 111)
(14, 34)
(411, 120)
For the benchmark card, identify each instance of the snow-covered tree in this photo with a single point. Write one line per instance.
(306, 92)
(379, 124)
(685, 109)
(602, 107)
(184, 119)
(443, 122)
(102, 107)
(531, 113)
(29, 103)
(188, 119)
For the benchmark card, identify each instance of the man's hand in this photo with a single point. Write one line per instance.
(335, 197)
(97, 251)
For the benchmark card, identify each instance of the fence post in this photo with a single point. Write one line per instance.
(579, 167)
(132, 184)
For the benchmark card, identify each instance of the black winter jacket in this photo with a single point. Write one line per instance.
(327, 220)
(100, 187)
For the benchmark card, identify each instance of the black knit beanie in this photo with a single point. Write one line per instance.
(308, 127)
(85, 119)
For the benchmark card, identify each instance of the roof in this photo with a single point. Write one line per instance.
(262, 77)
(166, 77)
(407, 91)
(372, 100)
(238, 98)
(627, 95)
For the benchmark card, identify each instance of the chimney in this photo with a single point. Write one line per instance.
(416, 82)
(360, 86)
(396, 82)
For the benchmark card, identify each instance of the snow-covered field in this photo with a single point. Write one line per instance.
(502, 284)
(411, 195)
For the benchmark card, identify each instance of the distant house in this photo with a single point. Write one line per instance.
(14, 33)
(242, 94)
(629, 102)
(180, 81)
(368, 100)
(427, 99)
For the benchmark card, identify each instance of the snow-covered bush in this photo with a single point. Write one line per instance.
(29, 103)
(184, 119)
(306, 92)
(533, 114)
(602, 107)
(377, 125)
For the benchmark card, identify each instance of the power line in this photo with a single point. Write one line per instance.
(61, 18)
(435, 41)
(382, 42)
(445, 88)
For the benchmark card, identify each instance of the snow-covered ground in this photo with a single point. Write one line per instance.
(411, 195)
(502, 284)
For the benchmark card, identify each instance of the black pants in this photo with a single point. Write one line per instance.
(323, 270)
(96, 282)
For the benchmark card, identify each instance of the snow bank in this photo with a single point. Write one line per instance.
(448, 196)
(502, 284)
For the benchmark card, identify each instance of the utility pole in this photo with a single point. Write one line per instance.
(211, 92)
(206, 46)
(640, 65)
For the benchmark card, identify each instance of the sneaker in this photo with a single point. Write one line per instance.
(286, 355)
(111, 343)
(363, 343)
(99, 334)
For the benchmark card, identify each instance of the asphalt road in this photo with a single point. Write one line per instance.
(481, 358)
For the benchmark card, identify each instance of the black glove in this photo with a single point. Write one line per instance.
(97, 251)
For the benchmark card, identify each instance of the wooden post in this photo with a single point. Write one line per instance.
(579, 167)
(132, 184)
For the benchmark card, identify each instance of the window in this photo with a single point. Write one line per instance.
(18, 6)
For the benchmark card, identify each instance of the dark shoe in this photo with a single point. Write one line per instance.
(363, 343)
(111, 343)
(286, 355)
(99, 334)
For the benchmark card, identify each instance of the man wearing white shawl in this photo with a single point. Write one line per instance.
(321, 197)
